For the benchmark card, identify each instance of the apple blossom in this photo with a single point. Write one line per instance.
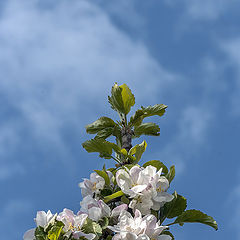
(96, 209)
(146, 186)
(29, 235)
(42, 219)
(160, 185)
(132, 182)
(137, 228)
(73, 224)
(92, 185)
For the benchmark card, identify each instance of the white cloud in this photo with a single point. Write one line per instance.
(205, 9)
(11, 219)
(233, 200)
(57, 62)
(232, 50)
(10, 170)
(124, 11)
(190, 136)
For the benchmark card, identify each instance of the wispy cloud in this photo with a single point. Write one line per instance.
(231, 48)
(233, 200)
(57, 61)
(12, 215)
(190, 136)
(205, 10)
(124, 11)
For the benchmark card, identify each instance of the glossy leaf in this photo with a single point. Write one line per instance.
(99, 125)
(151, 129)
(115, 99)
(157, 109)
(128, 98)
(55, 231)
(174, 208)
(105, 133)
(137, 118)
(91, 227)
(191, 216)
(104, 175)
(40, 234)
(121, 99)
(138, 150)
(171, 174)
(157, 164)
(103, 147)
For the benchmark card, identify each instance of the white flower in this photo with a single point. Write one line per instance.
(132, 182)
(92, 185)
(137, 228)
(29, 235)
(146, 186)
(96, 209)
(142, 202)
(42, 219)
(117, 210)
(160, 185)
(73, 224)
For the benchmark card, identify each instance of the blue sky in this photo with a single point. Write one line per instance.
(58, 61)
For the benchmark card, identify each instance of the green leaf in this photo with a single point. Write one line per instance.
(128, 98)
(140, 114)
(40, 233)
(90, 226)
(105, 192)
(157, 109)
(174, 208)
(104, 175)
(104, 222)
(54, 232)
(171, 174)
(138, 150)
(105, 133)
(137, 118)
(116, 100)
(124, 152)
(103, 147)
(99, 125)
(196, 216)
(129, 166)
(117, 133)
(167, 233)
(157, 164)
(112, 196)
(121, 99)
(125, 200)
(151, 129)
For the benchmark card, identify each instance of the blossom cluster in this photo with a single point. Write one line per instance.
(125, 217)
(128, 202)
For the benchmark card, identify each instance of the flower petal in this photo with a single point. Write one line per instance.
(117, 210)
(29, 235)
